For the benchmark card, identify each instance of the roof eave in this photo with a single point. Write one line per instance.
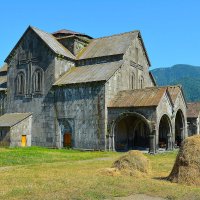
(152, 78)
(147, 106)
(146, 54)
(62, 85)
(22, 119)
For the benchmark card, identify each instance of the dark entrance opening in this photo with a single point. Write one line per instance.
(66, 133)
(164, 130)
(179, 128)
(131, 132)
(67, 139)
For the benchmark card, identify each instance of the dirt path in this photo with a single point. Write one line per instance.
(138, 197)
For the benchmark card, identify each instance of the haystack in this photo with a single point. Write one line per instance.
(186, 169)
(133, 163)
(109, 172)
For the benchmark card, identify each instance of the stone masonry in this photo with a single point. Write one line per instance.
(90, 93)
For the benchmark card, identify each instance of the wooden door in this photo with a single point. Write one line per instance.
(67, 140)
(23, 142)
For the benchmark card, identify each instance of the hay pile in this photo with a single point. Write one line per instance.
(133, 163)
(186, 169)
(110, 172)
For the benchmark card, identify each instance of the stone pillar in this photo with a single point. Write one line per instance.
(112, 139)
(169, 142)
(152, 143)
(182, 134)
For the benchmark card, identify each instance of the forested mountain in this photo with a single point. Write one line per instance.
(186, 75)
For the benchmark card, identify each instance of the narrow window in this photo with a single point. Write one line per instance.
(132, 81)
(37, 81)
(20, 83)
(141, 82)
(136, 55)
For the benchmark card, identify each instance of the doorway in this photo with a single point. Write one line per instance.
(23, 141)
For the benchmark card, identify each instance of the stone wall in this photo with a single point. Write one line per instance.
(165, 107)
(62, 66)
(41, 105)
(180, 104)
(121, 80)
(73, 44)
(83, 107)
(3, 102)
(22, 128)
(136, 65)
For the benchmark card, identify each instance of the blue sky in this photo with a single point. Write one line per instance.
(170, 28)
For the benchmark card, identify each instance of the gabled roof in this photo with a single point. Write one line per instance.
(53, 43)
(146, 97)
(174, 91)
(89, 73)
(49, 40)
(193, 110)
(10, 119)
(110, 45)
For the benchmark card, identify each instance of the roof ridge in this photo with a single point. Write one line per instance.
(69, 32)
(64, 30)
(117, 34)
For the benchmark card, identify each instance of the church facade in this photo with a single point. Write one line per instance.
(68, 89)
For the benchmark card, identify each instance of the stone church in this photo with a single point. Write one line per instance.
(67, 89)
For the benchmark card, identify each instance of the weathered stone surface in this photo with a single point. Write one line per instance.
(81, 110)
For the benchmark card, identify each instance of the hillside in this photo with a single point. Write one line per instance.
(186, 75)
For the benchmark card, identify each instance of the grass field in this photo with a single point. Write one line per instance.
(40, 173)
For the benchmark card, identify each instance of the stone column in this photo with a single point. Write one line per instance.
(152, 143)
(169, 142)
(112, 142)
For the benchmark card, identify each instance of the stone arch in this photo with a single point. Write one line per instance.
(179, 127)
(130, 130)
(65, 133)
(165, 132)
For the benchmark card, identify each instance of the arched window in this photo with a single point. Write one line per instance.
(141, 83)
(37, 81)
(136, 55)
(20, 83)
(132, 81)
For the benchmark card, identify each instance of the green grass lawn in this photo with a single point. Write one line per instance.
(38, 155)
(40, 173)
